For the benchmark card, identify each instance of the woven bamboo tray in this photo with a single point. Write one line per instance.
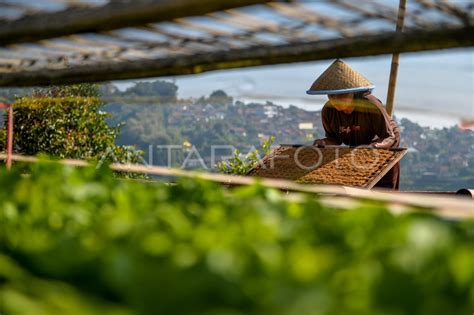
(337, 165)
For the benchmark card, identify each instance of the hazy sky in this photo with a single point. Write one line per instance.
(434, 88)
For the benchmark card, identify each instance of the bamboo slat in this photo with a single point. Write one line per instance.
(10, 61)
(448, 8)
(113, 15)
(185, 44)
(285, 32)
(223, 37)
(384, 12)
(36, 51)
(241, 27)
(300, 13)
(254, 56)
(202, 27)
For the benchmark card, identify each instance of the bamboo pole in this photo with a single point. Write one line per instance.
(457, 208)
(10, 137)
(395, 60)
(8, 157)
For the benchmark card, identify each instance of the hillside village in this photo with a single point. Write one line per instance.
(288, 124)
(154, 117)
(438, 159)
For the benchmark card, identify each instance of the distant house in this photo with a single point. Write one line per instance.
(270, 111)
(238, 131)
(209, 108)
(305, 126)
(217, 116)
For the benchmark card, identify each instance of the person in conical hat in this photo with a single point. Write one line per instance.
(353, 116)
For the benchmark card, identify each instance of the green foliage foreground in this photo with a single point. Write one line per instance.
(78, 241)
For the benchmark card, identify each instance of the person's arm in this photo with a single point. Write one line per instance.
(385, 128)
(332, 137)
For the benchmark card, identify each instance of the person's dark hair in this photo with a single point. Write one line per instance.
(361, 95)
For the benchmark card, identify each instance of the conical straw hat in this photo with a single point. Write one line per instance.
(340, 78)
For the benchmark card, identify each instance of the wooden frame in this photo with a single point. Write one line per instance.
(371, 182)
(114, 15)
(457, 208)
(246, 57)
